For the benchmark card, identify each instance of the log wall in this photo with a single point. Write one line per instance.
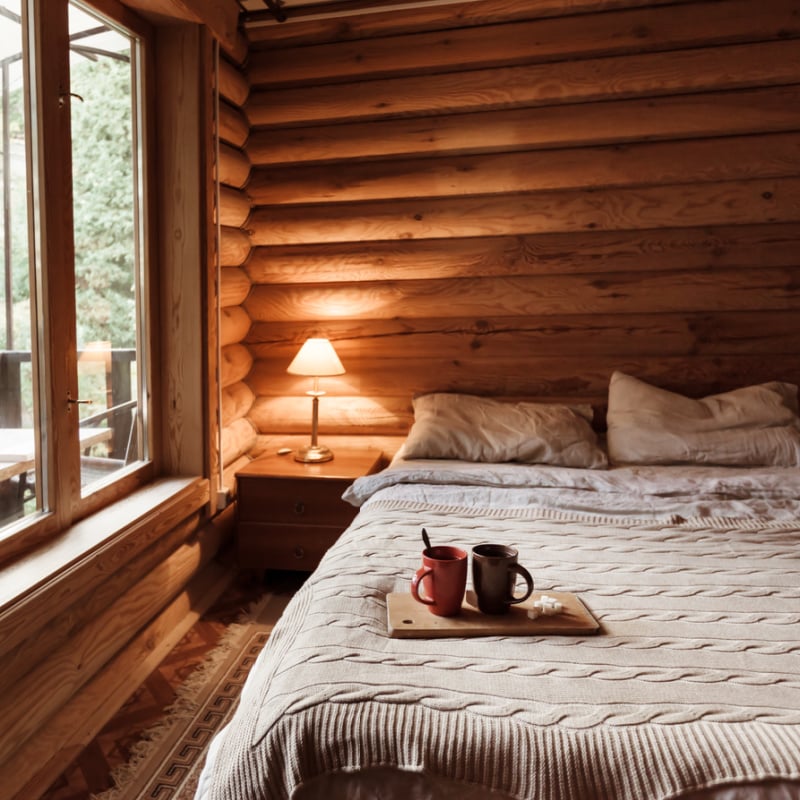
(517, 198)
(238, 434)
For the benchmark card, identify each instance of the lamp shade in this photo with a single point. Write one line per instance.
(316, 358)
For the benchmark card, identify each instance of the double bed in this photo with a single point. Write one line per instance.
(691, 687)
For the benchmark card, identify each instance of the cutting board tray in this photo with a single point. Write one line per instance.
(408, 619)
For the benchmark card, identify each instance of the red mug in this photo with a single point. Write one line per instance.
(441, 580)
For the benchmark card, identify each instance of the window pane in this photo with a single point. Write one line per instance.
(17, 415)
(106, 181)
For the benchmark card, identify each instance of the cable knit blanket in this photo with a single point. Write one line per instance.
(693, 682)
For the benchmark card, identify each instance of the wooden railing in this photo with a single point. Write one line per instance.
(121, 400)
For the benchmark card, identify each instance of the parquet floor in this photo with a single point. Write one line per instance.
(91, 771)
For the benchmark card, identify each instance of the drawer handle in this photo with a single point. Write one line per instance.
(299, 552)
(299, 507)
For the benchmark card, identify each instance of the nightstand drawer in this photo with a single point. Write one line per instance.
(293, 501)
(298, 547)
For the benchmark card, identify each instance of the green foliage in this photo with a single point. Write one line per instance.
(103, 202)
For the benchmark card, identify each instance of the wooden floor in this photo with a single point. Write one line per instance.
(91, 771)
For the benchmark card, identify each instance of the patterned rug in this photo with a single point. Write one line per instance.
(166, 764)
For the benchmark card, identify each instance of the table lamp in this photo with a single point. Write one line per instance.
(316, 359)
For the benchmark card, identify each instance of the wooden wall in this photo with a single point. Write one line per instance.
(85, 617)
(517, 198)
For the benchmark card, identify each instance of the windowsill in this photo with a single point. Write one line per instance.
(117, 533)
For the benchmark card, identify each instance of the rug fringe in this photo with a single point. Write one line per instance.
(186, 703)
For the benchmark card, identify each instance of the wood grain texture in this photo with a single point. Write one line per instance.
(234, 325)
(234, 127)
(234, 166)
(233, 84)
(234, 247)
(516, 199)
(701, 160)
(237, 400)
(623, 334)
(234, 207)
(551, 39)
(654, 249)
(724, 203)
(51, 684)
(39, 761)
(235, 363)
(590, 80)
(238, 439)
(614, 122)
(234, 286)
(300, 29)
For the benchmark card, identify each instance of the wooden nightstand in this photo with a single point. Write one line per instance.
(290, 513)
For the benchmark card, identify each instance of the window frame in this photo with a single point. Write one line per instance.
(54, 347)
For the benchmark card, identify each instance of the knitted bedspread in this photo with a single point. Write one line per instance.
(693, 681)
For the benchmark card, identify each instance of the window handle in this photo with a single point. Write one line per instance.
(71, 401)
(62, 97)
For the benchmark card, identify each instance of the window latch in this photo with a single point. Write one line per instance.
(62, 98)
(71, 401)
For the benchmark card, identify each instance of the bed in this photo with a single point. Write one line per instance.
(690, 689)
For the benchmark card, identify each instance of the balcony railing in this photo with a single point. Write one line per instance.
(118, 415)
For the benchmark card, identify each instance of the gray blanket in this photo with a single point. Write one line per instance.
(694, 680)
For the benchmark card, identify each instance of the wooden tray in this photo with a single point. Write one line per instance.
(408, 619)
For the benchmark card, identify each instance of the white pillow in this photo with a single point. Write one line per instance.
(752, 426)
(473, 428)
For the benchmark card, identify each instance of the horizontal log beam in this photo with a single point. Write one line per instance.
(234, 286)
(234, 207)
(238, 438)
(702, 160)
(580, 378)
(235, 362)
(768, 245)
(52, 683)
(590, 80)
(767, 332)
(236, 400)
(654, 293)
(234, 166)
(234, 325)
(234, 127)
(527, 41)
(299, 29)
(234, 247)
(726, 203)
(233, 85)
(577, 378)
(613, 122)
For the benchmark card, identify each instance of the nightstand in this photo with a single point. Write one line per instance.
(290, 513)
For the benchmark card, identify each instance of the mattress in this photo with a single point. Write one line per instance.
(691, 688)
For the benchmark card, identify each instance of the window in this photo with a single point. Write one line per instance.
(74, 341)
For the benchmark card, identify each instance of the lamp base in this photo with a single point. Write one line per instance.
(313, 454)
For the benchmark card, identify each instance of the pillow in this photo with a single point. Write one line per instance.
(469, 428)
(753, 426)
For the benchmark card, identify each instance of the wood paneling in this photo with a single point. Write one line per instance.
(618, 122)
(554, 39)
(517, 201)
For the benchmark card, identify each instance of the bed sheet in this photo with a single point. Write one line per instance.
(691, 690)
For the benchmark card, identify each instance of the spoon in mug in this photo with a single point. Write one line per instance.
(426, 539)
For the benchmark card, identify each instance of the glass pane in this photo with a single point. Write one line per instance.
(17, 431)
(106, 181)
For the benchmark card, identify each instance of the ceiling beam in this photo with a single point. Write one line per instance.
(221, 17)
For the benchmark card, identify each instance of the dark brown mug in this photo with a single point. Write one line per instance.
(494, 575)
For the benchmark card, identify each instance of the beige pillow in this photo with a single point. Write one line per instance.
(756, 425)
(472, 428)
